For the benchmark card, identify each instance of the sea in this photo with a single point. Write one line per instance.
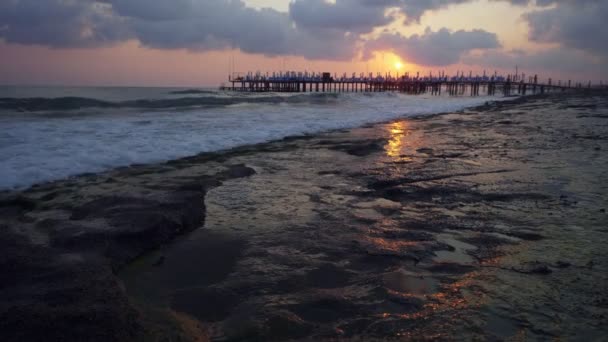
(52, 133)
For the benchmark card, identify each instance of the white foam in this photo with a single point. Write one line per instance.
(39, 148)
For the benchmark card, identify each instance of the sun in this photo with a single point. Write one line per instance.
(398, 65)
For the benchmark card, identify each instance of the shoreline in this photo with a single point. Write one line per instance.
(261, 145)
(155, 137)
(84, 230)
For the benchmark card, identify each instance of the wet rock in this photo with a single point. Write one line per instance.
(330, 172)
(50, 297)
(410, 284)
(328, 276)
(425, 150)
(407, 235)
(487, 240)
(136, 224)
(367, 215)
(239, 171)
(360, 148)
(206, 304)
(450, 268)
(159, 261)
(380, 203)
(286, 325)
(325, 310)
(534, 268)
(102, 206)
(525, 235)
(16, 205)
(542, 269)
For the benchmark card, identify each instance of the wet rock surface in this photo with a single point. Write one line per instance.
(485, 224)
(64, 242)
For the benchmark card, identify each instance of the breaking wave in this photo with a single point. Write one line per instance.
(37, 104)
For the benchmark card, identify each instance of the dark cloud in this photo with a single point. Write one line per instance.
(177, 24)
(572, 24)
(440, 48)
(219, 24)
(414, 9)
(346, 15)
(59, 23)
(550, 62)
(360, 15)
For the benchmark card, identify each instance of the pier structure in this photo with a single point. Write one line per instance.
(457, 85)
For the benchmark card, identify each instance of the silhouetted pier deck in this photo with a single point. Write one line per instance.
(460, 85)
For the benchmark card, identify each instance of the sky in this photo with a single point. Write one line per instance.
(201, 42)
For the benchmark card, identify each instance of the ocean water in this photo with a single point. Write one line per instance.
(49, 134)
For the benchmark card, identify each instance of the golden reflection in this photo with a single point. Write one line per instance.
(398, 133)
(396, 247)
(449, 299)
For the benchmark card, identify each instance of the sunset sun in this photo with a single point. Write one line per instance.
(398, 65)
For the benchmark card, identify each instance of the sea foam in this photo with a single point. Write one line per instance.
(43, 146)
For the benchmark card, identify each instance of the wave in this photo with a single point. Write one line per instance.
(39, 148)
(192, 92)
(74, 103)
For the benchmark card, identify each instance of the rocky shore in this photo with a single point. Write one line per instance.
(488, 223)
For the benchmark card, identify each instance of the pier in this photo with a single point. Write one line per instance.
(458, 85)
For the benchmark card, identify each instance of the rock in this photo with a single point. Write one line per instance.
(425, 150)
(542, 269)
(534, 268)
(159, 262)
(380, 203)
(358, 148)
(369, 215)
(239, 171)
(59, 297)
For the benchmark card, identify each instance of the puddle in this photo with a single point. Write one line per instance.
(459, 255)
(410, 283)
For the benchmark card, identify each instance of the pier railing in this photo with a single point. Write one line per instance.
(435, 85)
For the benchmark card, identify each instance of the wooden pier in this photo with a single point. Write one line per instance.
(459, 85)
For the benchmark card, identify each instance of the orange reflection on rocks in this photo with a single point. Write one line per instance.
(390, 247)
(398, 134)
(400, 144)
(445, 303)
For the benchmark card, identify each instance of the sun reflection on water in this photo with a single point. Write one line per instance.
(444, 304)
(399, 141)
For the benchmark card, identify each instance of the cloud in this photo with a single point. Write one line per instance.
(572, 24)
(346, 15)
(178, 24)
(554, 59)
(414, 9)
(440, 48)
(220, 24)
(60, 23)
(361, 15)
